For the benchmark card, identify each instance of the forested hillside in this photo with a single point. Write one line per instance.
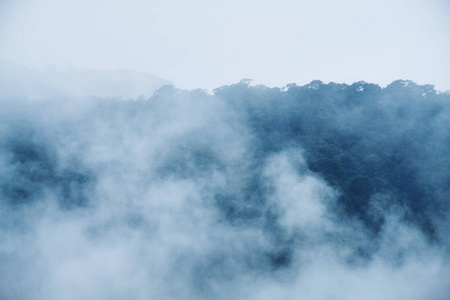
(377, 147)
(248, 192)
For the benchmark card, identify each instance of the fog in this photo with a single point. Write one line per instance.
(177, 196)
(204, 44)
(136, 163)
(18, 81)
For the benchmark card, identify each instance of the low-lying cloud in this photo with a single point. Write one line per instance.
(178, 197)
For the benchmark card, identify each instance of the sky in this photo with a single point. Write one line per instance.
(207, 44)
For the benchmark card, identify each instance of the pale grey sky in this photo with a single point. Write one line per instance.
(206, 44)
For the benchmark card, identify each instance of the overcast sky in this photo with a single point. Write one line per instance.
(206, 44)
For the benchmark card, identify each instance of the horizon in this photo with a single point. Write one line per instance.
(205, 45)
(251, 82)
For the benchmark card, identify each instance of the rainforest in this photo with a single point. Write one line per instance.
(316, 191)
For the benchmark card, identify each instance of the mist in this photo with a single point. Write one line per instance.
(138, 160)
(204, 44)
(242, 193)
(18, 81)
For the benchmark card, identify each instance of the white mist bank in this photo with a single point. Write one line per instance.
(131, 211)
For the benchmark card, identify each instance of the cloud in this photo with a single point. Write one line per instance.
(171, 197)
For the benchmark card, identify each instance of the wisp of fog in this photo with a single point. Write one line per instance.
(321, 191)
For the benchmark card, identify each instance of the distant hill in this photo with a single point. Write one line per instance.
(19, 81)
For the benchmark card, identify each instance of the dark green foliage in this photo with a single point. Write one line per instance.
(330, 169)
(362, 139)
(32, 169)
(377, 147)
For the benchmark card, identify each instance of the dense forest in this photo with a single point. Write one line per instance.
(388, 147)
(228, 195)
